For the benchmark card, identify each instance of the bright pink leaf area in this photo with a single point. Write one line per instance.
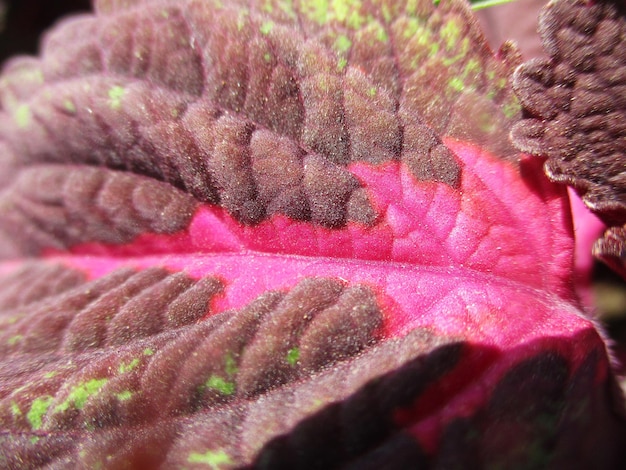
(495, 224)
(459, 261)
(485, 263)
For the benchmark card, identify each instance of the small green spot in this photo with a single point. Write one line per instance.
(456, 84)
(49, 375)
(38, 409)
(15, 409)
(433, 50)
(124, 396)
(115, 96)
(386, 13)
(382, 36)
(341, 64)
(13, 340)
(214, 459)
(148, 352)
(372, 91)
(287, 7)
(230, 365)
(34, 439)
(215, 382)
(123, 368)
(267, 57)
(463, 52)
(80, 393)
(450, 33)
(23, 116)
(342, 43)
(411, 7)
(347, 12)
(472, 67)
(316, 10)
(412, 27)
(293, 355)
(266, 27)
(69, 106)
(242, 19)
(165, 14)
(511, 108)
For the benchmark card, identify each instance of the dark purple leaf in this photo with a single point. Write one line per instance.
(285, 234)
(576, 110)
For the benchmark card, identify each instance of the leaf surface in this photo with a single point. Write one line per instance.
(284, 235)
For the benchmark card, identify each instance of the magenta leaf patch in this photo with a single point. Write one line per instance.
(286, 235)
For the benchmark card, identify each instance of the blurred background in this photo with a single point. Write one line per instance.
(23, 21)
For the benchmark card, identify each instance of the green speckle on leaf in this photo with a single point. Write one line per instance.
(267, 57)
(80, 393)
(13, 340)
(148, 352)
(465, 46)
(287, 7)
(15, 409)
(10, 320)
(346, 12)
(472, 67)
(266, 27)
(123, 368)
(49, 375)
(23, 116)
(410, 28)
(69, 106)
(124, 396)
(316, 10)
(342, 43)
(34, 439)
(38, 409)
(379, 31)
(511, 108)
(214, 459)
(230, 365)
(293, 355)
(450, 33)
(382, 36)
(433, 50)
(411, 7)
(242, 19)
(341, 64)
(372, 91)
(115, 96)
(456, 84)
(386, 13)
(215, 382)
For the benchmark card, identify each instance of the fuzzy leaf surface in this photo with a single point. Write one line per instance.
(281, 234)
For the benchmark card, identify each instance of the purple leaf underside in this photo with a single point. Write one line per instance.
(280, 235)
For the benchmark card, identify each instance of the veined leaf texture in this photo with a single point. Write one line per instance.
(294, 234)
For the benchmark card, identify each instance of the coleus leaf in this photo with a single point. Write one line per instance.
(576, 108)
(285, 235)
